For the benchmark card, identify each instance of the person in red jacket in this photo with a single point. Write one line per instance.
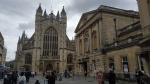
(100, 77)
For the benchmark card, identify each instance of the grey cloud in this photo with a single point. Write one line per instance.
(81, 6)
(26, 26)
(17, 8)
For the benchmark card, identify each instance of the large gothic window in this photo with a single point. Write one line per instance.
(50, 42)
(28, 59)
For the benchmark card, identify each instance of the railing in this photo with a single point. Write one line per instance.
(129, 29)
(144, 80)
(129, 41)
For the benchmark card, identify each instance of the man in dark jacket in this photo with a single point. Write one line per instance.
(139, 74)
(112, 77)
(51, 78)
(27, 75)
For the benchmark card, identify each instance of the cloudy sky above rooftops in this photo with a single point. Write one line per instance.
(18, 15)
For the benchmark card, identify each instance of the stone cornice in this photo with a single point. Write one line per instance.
(129, 29)
(117, 47)
(117, 11)
(111, 10)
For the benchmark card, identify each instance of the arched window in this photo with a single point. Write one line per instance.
(28, 59)
(86, 42)
(94, 40)
(50, 42)
(69, 59)
(80, 46)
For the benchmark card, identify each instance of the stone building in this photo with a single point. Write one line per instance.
(49, 48)
(3, 51)
(101, 29)
(144, 11)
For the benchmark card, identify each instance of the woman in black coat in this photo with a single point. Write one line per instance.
(112, 77)
(51, 78)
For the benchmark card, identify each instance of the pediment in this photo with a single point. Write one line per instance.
(84, 18)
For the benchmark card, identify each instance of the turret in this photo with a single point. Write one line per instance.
(19, 40)
(45, 14)
(1, 39)
(23, 37)
(63, 16)
(39, 12)
(58, 16)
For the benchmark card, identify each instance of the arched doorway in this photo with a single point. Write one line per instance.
(70, 62)
(49, 67)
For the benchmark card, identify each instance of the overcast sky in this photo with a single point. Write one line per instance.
(18, 15)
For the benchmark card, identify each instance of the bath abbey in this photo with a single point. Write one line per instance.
(49, 48)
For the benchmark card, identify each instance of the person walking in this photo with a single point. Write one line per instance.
(85, 74)
(37, 82)
(28, 74)
(111, 77)
(139, 74)
(14, 77)
(100, 77)
(22, 78)
(51, 78)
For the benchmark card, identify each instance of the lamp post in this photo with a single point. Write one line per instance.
(115, 29)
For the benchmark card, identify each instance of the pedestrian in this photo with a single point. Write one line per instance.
(43, 74)
(14, 77)
(139, 74)
(46, 78)
(33, 74)
(28, 74)
(65, 72)
(22, 78)
(111, 77)
(5, 81)
(100, 77)
(51, 79)
(37, 82)
(85, 74)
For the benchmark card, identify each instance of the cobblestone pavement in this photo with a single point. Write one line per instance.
(76, 80)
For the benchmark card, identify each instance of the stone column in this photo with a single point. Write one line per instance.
(146, 66)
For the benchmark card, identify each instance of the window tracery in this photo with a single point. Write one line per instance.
(50, 42)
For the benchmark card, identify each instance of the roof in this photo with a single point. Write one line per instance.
(70, 44)
(111, 10)
(29, 44)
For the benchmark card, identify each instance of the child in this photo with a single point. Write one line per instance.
(37, 82)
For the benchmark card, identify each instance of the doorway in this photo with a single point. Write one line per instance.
(49, 67)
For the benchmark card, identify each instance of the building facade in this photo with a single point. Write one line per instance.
(144, 11)
(99, 28)
(3, 51)
(49, 48)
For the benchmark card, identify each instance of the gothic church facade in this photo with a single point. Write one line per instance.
(49, 48)
(3, 51)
